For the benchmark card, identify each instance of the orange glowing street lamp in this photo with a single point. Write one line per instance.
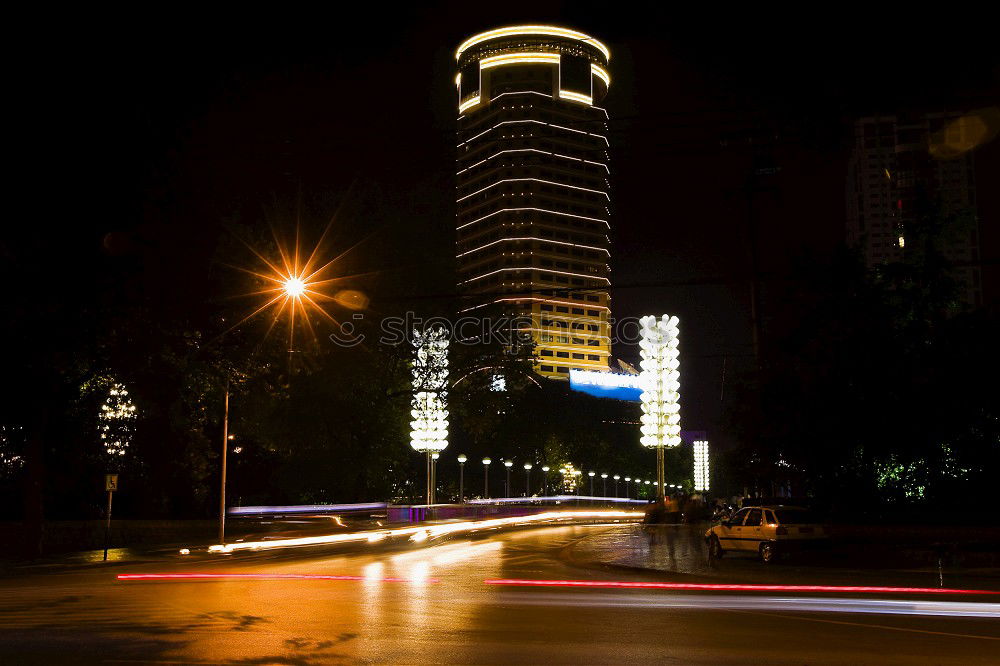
(294, 287)
(297, 285)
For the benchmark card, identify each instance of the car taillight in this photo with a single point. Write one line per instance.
(781, 531)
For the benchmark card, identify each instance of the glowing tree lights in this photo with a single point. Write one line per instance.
(115, 421)
(701, 466)
(660, 382)
(429, 424)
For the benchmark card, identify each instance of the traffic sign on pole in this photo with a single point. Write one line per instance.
(110, 485)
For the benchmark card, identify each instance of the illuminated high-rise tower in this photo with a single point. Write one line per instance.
(533, 192)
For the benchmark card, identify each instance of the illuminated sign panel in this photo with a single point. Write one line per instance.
(605, 384)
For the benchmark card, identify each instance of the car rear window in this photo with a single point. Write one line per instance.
(795, 516)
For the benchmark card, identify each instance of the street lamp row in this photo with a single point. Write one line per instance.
(508, 464)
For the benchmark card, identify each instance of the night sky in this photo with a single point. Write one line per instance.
(161, 129)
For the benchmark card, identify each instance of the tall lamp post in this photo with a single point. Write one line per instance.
(591, 475)
(627, 479)
(508, 464)
(616, 477)
(225, 449)
(461, 478)
(660, 381)
(429, 402)
(486, 477)
(545, 480)
(434, 476)
(604, 482)
(527, 479)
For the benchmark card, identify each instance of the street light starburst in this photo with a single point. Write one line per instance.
(297, 287)
(294, 287)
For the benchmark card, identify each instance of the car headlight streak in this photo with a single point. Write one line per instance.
(429, 405)
(660, 381)
(421, 533)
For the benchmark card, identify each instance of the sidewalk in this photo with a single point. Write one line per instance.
(683, 556)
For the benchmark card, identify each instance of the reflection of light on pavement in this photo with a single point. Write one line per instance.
(420, 619)
(419, 536)
(419, 573)
(447, 554)
(373, 572)
(370, 602)
(715, 602)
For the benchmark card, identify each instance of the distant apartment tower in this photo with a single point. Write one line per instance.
(533, 199)
(897, 166)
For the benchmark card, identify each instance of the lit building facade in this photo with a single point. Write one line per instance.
(897, 160)
(533, 194)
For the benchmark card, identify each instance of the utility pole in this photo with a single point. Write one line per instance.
(225, 447)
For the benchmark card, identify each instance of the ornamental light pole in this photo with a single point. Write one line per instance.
(434, 476)
(486, 477)
(508, 464)
(616, 477)
(660, 381)
(701, 470)
(461, 478)
(591, 475)
(545, 480)
(429, 434)
(627, 479)
(527, 479)
(604, 482)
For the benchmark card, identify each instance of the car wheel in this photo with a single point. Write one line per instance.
(767, 553)
(715, 548)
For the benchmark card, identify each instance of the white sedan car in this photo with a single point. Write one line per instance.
(766, 531)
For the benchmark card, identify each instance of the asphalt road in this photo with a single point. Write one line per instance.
(444, 613)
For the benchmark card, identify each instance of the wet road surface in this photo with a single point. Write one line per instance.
(443, 612)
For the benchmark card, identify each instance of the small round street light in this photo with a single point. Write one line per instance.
(604, 481)
(508, 464)
(486, 477)
(591, 475)
(616, 477)
(527, 479)
(545, 480)
(461, 478)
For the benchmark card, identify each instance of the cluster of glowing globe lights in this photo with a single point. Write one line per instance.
(429, 411)
(701, 469)
(660, 382)
(429, 424)
(115, 420)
